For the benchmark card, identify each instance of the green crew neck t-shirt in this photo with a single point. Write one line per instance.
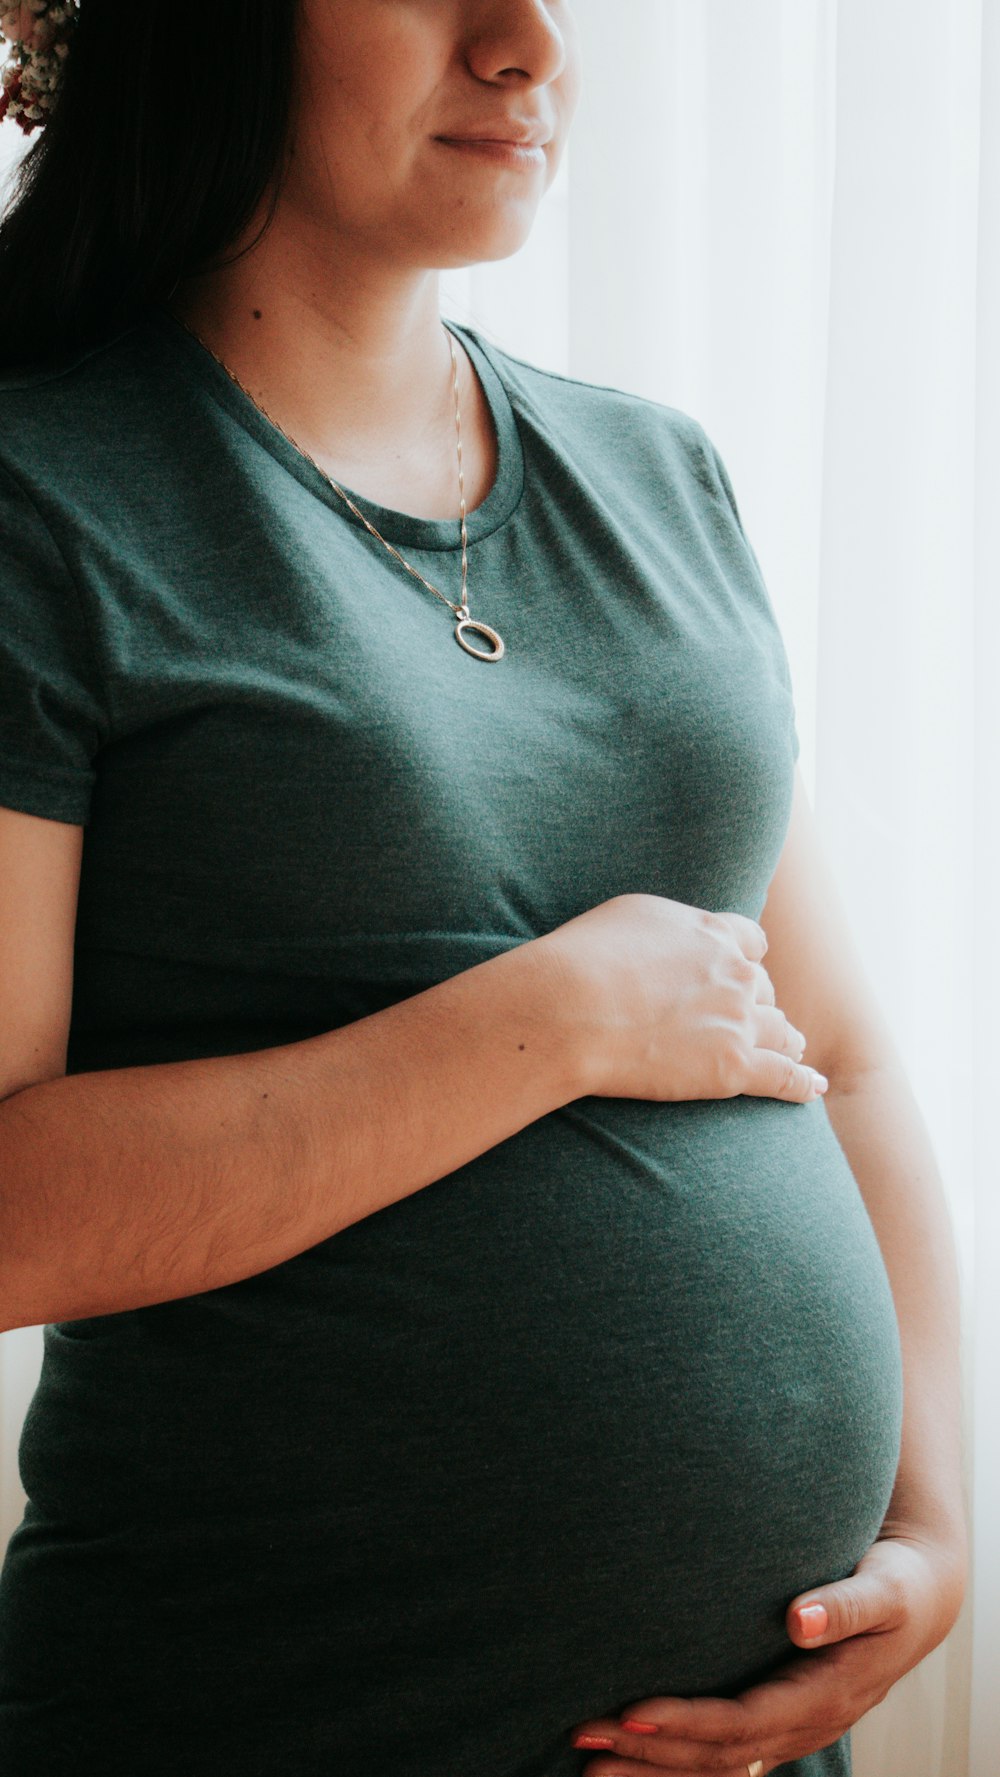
(569, 1427)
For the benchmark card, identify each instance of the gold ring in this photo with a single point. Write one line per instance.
(756, 1769)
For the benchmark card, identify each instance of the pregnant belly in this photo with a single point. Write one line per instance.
(566, 1429)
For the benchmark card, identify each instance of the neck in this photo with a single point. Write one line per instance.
(355, 358)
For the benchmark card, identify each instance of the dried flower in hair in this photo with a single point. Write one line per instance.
(39, 33)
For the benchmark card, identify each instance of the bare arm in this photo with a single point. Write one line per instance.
(819, 980)
(882, 1132)
(124, 1187)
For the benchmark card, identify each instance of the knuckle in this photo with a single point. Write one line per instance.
(725, 1751)
(896, 1599)
(743, 970)
(730, 1065)
(852, 1616)
(792, 1083)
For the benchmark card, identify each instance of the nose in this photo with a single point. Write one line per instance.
(513, 40)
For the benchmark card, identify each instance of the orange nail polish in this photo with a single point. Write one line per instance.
(594, 1742)
(640, 1727)
(813, 1619)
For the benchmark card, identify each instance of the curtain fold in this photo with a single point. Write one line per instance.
(783, 216)
(979, 1043)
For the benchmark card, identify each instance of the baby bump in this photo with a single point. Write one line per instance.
(648, 1362)
(567, 1428)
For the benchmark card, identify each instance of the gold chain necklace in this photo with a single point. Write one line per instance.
(465, 623)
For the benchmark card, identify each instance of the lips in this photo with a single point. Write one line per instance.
(512, 137)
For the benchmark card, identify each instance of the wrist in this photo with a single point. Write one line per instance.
(571, 1042)
(942, 1538)
(928, 1502)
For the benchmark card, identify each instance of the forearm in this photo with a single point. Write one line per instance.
(125, 1187)
(882, 1132)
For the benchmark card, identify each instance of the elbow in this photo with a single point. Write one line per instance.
(851, 1075)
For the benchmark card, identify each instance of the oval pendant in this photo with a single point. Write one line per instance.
(482, 629)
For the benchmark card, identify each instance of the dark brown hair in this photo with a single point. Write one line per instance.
(161, 144)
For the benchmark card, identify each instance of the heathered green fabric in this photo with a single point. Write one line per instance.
(568, 1428)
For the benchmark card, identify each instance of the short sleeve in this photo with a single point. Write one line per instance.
(781, 656)
(52, 720)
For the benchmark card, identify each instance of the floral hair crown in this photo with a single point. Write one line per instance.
(39, 33)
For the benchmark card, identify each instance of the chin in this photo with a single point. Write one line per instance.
(491, 243)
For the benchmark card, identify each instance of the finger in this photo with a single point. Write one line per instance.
(671, 1731)
(661, 1747)
(712, 1719)
(807, 1704)
(820, 1695)
(622, 1767)
(629, 1769)
(777, 1076)
(869, 1603)
(661, 1752)
(750, 936)
(764, 988)
(823, 1687)
(774, 1031)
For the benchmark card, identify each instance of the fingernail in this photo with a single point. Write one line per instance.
(640, 1727)
(820, 1081)
(594, 1742)
(813, 1619)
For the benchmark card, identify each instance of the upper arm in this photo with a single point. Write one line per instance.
(39, 884)
(819, 979)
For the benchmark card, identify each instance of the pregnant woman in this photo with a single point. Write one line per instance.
(474, 1346)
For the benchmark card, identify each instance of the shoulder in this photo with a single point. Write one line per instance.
(67, 376)
(661, 458)
(609, 413)
(65, 420)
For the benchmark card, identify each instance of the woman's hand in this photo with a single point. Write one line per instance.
(899, 1603)
(669, 1001)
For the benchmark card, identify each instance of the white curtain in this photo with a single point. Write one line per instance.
(783, 216)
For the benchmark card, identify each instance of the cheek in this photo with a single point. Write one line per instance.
(362, 127)
(569, 87)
